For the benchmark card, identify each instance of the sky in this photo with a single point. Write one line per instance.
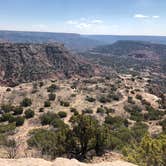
(109, 17)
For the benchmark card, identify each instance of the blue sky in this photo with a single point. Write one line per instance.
(120, 17)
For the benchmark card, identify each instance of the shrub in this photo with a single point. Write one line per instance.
(100, 110)
(64, 103)
(73, 109)
(103, 99)
(90, 99)
(62, 114)
(29, 114)
(8, 90)
(87, 111)
(7, 108)
(26, 102)
(139, 97)
(4, 128)
(52, 88)
(47, 104)
(51, 96)
(47, 118)
(17, 110)
(5, 117)
(41, 109)
(19, 120)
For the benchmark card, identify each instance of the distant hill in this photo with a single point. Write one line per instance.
(24, 62)
(71, 40)
(114, 38)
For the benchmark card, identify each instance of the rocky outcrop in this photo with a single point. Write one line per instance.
(20, 62)
(57, 162)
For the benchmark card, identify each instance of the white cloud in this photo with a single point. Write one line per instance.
(140, 16)
(97, 21)
(156, 17)
(84, 22)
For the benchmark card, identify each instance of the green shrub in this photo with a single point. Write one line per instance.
(51, 96)
(47, 104)
(47, 118)
(64, 103)
(6, 117)
(139, 97)
(100, 110)
(52, 88)
(17, 110)
(29, 114)
(62, 114)
(87, 111)
(90, 99)
(7, 108)
(26, 102)
(19, 120)
(4, 128)
(41, 109)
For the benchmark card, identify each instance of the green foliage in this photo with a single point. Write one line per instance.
(64, 103)
(19, 120)
(49, 142)
(87, 111)
(52, 88)
(48, 118)
(29, 114)
(47, 103)
(51, 96)
(62, 114)
(150, 151)
(6, 117)
(5, 128)
(26, 102)
(139, 97)
(41, 109)
(17, 110)
(90, 99)
(7, 108)
(100, 110)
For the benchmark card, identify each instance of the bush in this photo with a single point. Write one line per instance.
(5, 117)
(62, 114)
(100, 110)
(139, 97)
(64, 103)
(73, 109)
(47, 118)
(47, 104)
(29, 114)
(7, 108)
(4, 128)
(87, 111)
(41, 109)
(26, 102)
(19, 120)
(52, 88)
(90, 99)
(17, 110)
(51, 96)
(8, 90)
(103, 99)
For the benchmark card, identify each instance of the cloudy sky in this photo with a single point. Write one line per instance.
(120, 17)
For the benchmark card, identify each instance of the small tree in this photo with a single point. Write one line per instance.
(62, 114)
(19, 120)
(29, 114)
(47, 104)
(26, 102)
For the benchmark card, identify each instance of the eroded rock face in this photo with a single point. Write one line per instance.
(57, 162)
(20, 62)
